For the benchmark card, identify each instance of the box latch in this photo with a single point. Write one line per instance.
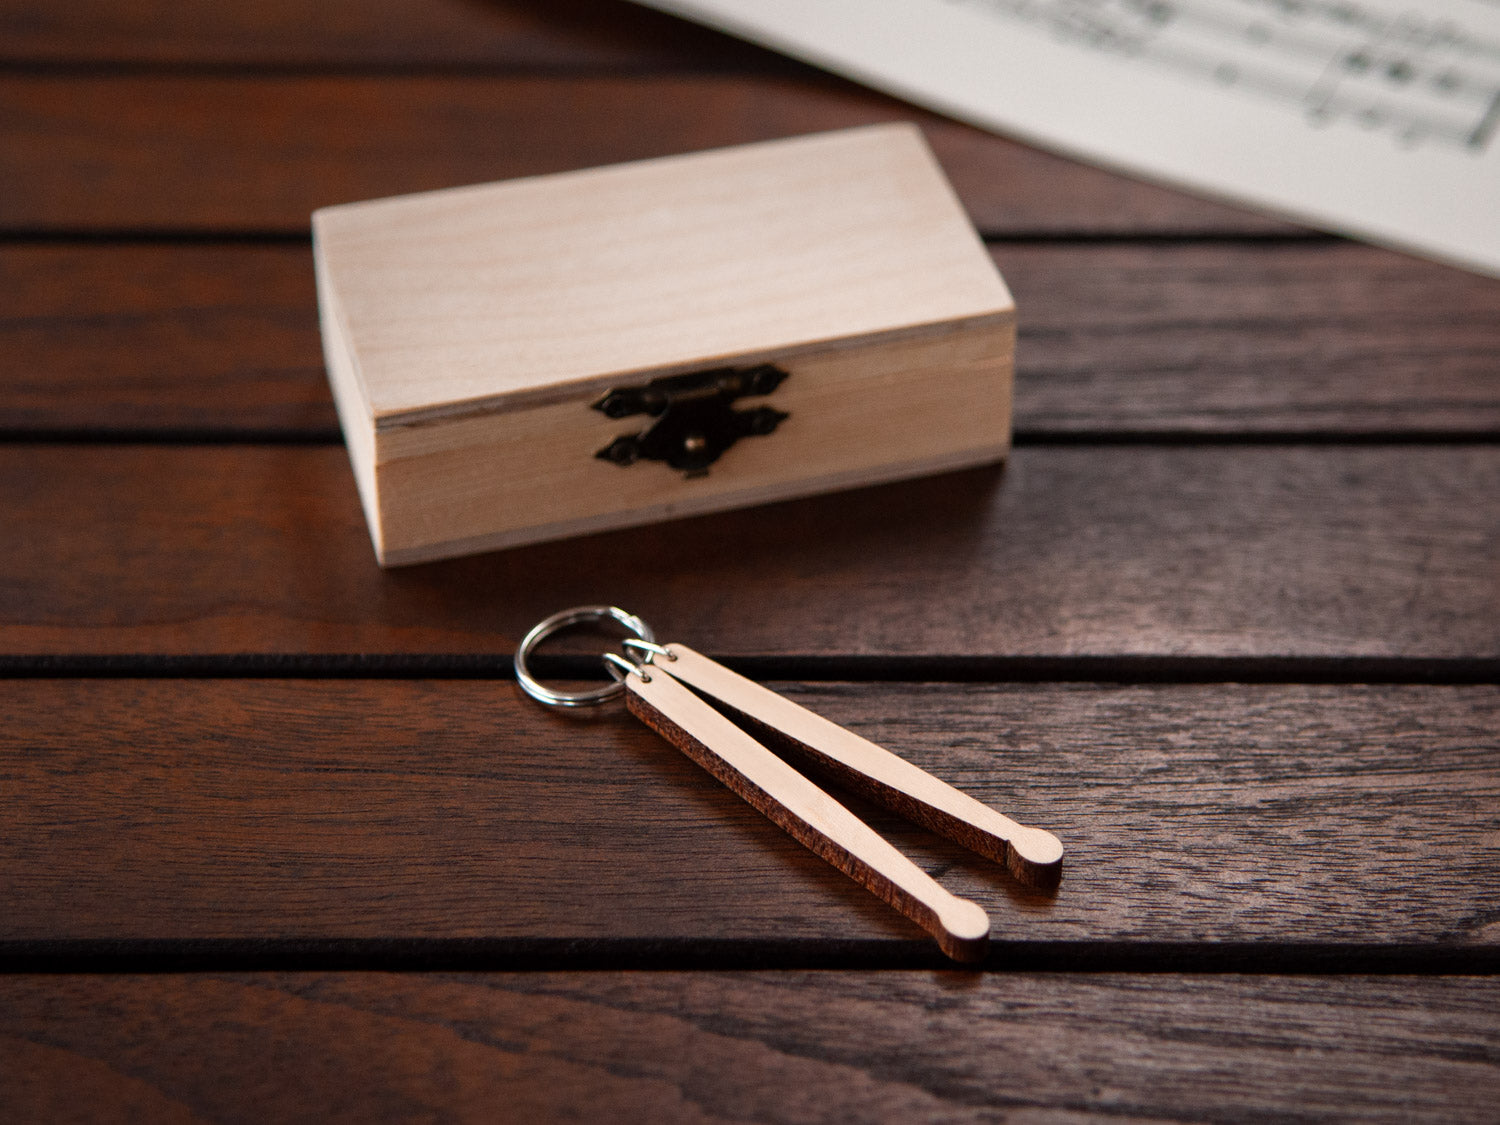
(695, 417)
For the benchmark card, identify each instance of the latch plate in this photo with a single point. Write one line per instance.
(695, 419)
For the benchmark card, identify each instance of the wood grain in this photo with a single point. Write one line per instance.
(150, 338)
(1294, 338)
(335, 34)
(1112, 550)
(209, 152)
(250, 810)
(1302, 338)
(672, 1047)
(464, 301)
(1300, 823)
(468, 333)
(499, 480)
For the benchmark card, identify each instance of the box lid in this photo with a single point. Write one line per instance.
(474, 299)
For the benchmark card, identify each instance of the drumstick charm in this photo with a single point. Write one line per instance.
(665, 687)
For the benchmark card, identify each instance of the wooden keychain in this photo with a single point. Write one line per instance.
(665, 685)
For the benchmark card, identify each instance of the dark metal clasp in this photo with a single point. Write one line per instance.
(695, 421)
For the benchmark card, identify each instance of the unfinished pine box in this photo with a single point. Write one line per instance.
(562, 354)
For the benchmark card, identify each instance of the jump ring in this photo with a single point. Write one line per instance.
(558, 621)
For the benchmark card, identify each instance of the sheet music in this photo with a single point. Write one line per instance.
(1374, 118)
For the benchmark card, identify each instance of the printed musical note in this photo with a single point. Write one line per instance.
(1365, 65)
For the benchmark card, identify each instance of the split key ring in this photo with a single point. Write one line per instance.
(556, 623)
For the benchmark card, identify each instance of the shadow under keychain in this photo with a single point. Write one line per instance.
(664, 686)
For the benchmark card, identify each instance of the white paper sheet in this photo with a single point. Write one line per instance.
(1373, 118)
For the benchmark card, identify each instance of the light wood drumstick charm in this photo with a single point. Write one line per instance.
(665, 686)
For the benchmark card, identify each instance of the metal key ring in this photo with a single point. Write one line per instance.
(558, 621)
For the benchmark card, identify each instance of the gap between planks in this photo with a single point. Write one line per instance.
(531, 955)
(1021, 438)
(772, 66)
(56, 235)
(1165, 670)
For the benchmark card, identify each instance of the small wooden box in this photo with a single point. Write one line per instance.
(770, 321)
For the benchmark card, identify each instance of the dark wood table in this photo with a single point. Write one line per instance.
(281, 840)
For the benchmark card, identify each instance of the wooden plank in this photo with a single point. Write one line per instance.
(1292, 338)
(500, 34)
(213, 152)
(1235, 338)
(142, 337)
(250, 810)
(1108, 551)
(675, 1047)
